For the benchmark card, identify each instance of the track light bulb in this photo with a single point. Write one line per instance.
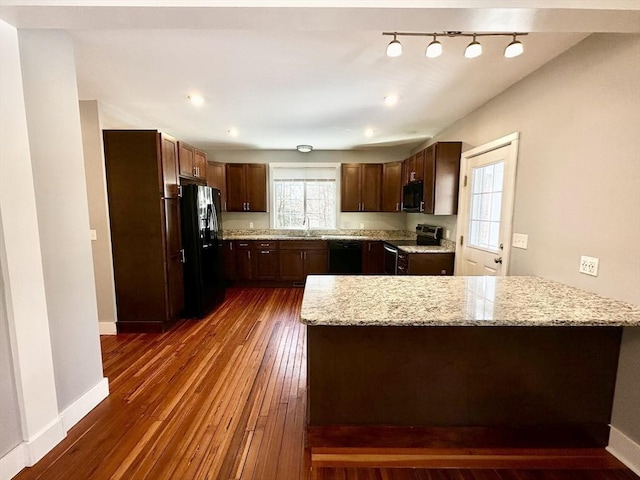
(473, 50)
(394, 49)
(434, 49)
(514, 49)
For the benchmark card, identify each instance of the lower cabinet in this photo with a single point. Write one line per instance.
(266, 261)
(373, 257)
(425, 263)
(244, 263)
(299, 258)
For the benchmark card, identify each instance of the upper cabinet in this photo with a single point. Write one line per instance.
(392, 187)
(414, 168)
(441, 178)
(216, 178)
(193, 162)
(361, 187)
(246, 187)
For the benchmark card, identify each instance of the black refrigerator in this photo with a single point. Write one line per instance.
(203, 253)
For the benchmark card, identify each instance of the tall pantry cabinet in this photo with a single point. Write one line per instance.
(142, 183)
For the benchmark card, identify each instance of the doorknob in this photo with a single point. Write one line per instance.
(498, 260)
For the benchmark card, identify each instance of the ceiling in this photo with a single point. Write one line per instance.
(284, 76)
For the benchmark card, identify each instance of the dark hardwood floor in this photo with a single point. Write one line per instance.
(223, 398)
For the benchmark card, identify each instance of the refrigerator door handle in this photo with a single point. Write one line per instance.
(182, 257)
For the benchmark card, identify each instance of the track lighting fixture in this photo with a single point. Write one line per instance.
(514, 49)
(473, 50)
(434, 49)
(394, 49)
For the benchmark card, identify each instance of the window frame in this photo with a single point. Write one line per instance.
(272, 190)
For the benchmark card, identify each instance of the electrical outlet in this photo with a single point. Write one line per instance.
(589, 265)
(250, 224)
(94, 235)
(446, 234)
(520, 240)
(361, 225)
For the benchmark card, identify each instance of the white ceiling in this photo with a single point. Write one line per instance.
(287, 76)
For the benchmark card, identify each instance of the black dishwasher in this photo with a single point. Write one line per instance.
(345, 257)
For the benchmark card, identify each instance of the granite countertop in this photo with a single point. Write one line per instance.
(318, 235)
(457, 301)
(427, 248)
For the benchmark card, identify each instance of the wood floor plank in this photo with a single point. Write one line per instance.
(225, 398)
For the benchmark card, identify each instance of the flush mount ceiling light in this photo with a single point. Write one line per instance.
(394, 49)
(514, 49)
(304, 148)
(473, 50)
(369, 132)
(233, 132)
(391, 100)
(195, 99)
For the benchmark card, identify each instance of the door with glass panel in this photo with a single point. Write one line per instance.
(484, 226)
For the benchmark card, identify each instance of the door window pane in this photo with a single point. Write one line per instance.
(486, 206)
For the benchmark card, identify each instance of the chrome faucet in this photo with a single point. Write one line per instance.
(308, 224)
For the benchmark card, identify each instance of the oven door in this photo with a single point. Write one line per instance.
(390, 259)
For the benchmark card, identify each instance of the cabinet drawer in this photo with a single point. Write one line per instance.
(265, 245)
(303, 245)
(242, 244)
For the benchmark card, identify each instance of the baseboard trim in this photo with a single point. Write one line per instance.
(42, 443)
(87, 402)
(107, 328)
(12, 463)
(624, 449)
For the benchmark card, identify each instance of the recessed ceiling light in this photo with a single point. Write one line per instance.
(233, 132)
(369, 132)
(304, 148)
(391, 100)
(196, 99)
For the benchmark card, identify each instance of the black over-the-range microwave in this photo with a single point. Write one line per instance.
(412, 197)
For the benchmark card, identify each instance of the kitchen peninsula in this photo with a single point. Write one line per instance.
(530, 358)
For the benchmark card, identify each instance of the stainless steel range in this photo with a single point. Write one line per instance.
(425, 235)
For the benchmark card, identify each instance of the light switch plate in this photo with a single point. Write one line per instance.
(361, 225)
(250, 224)
(94, 234)
(520, 240)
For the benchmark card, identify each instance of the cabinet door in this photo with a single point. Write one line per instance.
(372, 257)
(418, 163)
(316, 262)
(216, 178)
(292, 265)
(429, 178)
(244, 264)
(229, 257)
(409, 169)
(431, 263)
(391, 187)
(235, 187)
(266, 264)
(350, 193)
(447, 176)
(173, 239)
(200, 164)
(371, 187)
(186, 156)
(256, 182)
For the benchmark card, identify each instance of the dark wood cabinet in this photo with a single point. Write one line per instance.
(425, 263)
(266, 258)
(441, 178)
(144, 210)
(216, 178)
(372, 257)
(361, 187)
(244, 261)
(414, 168)
(299, 258)
(392, 187)
(192, 162)
(229, 257)
(246, 187)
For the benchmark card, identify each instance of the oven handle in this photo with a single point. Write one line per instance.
(391, 249)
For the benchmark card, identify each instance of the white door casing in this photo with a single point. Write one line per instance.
(487, 188)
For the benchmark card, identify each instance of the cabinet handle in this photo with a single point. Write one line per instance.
(244, 244)
(305, 255)
(265, 251)
(264, 244)
(422, 206)
(397, 207)
(369, 247)
(249, 254)
(230, 246)
(248, 206)
(301, 255)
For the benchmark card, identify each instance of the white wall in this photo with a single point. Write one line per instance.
(578, 180)
(55, 141)
(98, 215)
